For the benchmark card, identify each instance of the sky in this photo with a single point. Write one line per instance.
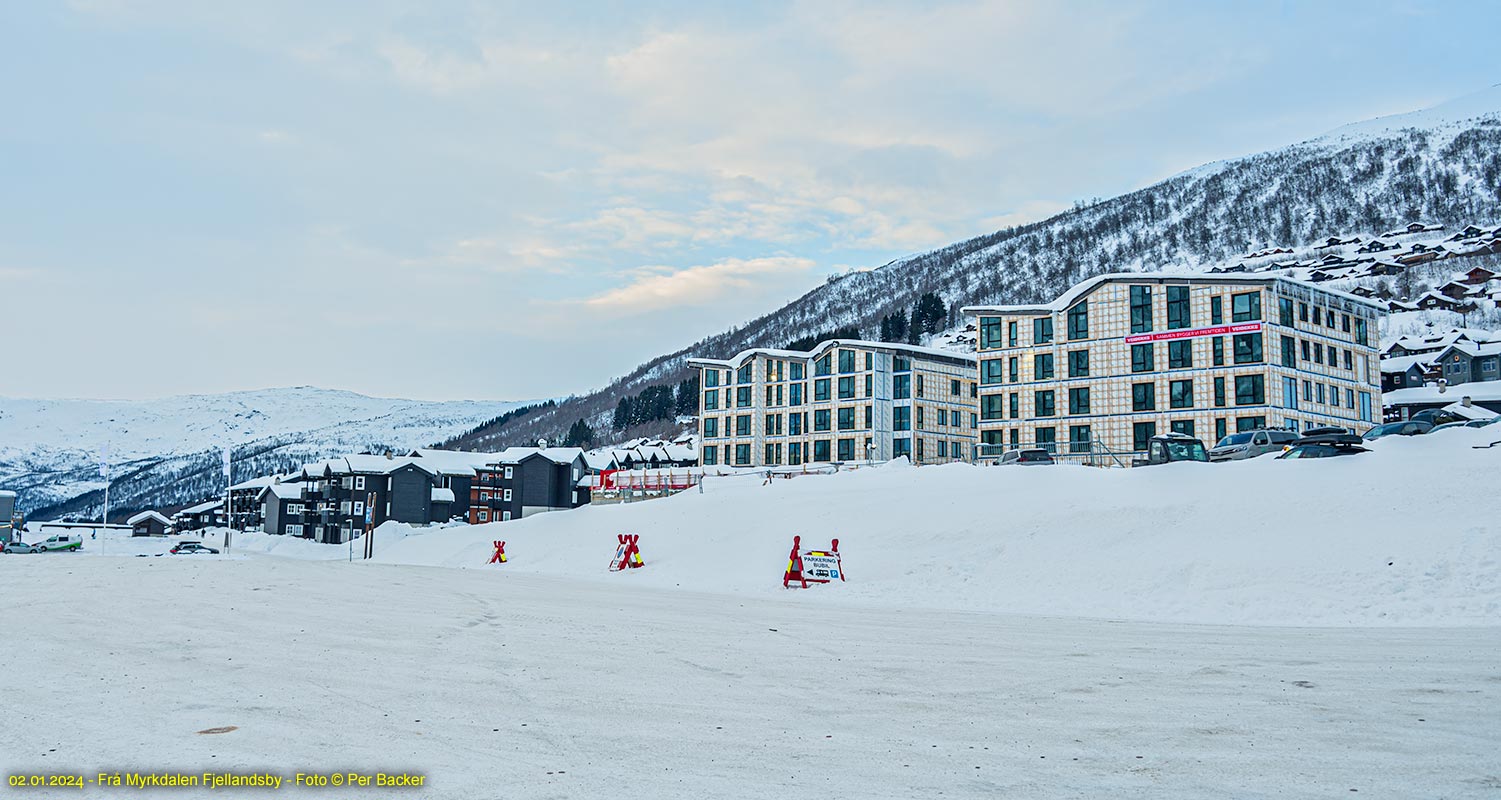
(445, 200)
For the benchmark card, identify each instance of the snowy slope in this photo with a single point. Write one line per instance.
(1392, 537)
(166, 451)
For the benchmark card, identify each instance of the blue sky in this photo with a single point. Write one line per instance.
(525, 200)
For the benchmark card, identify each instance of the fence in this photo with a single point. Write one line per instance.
(1089, 452)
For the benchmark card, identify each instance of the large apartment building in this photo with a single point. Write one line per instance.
(1120, 358)
(844, 400)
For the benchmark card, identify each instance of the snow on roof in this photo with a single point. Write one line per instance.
(1477, 390)
(254, 483)
(283, 491)
(1474, 349)
(200, 508)
(441, 495)
(1405, 363)
(557, 455)
(7, 493)
(454, 462)
(818, 349)
(1083, 288)
(1458, 408)
(600, 460)
(145, 515)
(380, 465)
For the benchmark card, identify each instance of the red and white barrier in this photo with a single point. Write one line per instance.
(812, 566)
(628, 553)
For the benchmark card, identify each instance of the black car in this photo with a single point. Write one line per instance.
(1329, 445)
(1409, 428)
(191, 548)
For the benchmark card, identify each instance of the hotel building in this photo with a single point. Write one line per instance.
(1120, 358)
(844, 400)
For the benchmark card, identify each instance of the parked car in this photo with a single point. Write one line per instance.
(21, 547)
(1449, 426)
(1327, 445)
(1250, 444)
(1408, 428)
(190, 548)
(1436, 416)
(1166, 448)
(1481, 423)
(1031, 455)
(65, 542)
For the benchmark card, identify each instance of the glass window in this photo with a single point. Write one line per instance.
(846, 449)
(820, 449)
(1141, 309)
(901, 387)
(795, 394)
(1219, 392)
(1042, 366)
(743, 425)
(990, 372)
(901, 418)
(1303, 312)
(1078, 363)
(1360, 332)
(1219, 350)
(821, 419)
(742, 455)
(711, 378)
(825, 365)
(846, 388)
(1221, 430)
(901, 447)
(711, 427)
(711, 400)
(1143, 358)
(1245, 307)
(1180, 354)
(1181, 394)
(711, 456)
(1183, 426)
(1320, 393)
(1042, 330)
(1289, 352)
(746, 373)
(1078, 438)
(847, 419)
(795, 423)
(1216, 310)
(1078, 321)
(743, 397)
(1307, 350)
(1247, 348)
(1250, 390)
(1243, 424)
(1078, 400)
(1178, 314)
(1318, 318)
(820, 390)
(990, 333)
(1012, 370)
(1010, 338)
(1014, 402)
(846, 361)
(1143, 397)
(1290, 392)
(1042, 404)
(797, 370)
(901, 364)
(990, 406)
(1141, 433)
(1047, 439)
(1285, 311)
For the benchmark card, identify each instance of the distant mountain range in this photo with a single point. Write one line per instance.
(1440, 165)
(168, 452)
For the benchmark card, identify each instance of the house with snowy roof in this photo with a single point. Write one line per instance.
(1404, 372)
(1469, 362)
(149, 523)
(341, 496)
(198, 517)
(529, 480)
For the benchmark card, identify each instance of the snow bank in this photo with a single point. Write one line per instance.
(1398, 536)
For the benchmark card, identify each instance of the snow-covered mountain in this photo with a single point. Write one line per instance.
(1441, 165)
(167, 451)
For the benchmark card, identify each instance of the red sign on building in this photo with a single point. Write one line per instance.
(1193, 333)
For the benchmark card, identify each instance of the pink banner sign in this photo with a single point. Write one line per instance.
(1193, 333)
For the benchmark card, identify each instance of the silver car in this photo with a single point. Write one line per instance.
(1250, 444)
(21, 547)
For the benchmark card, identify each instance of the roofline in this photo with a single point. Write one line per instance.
(891, 347)
(1084, 287)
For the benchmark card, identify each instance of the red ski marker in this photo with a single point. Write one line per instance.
(500, 553)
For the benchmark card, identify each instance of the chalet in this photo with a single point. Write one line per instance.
(455, 472)
(199, 517)
(1469, 232)
(529, 480)
(1412, 227)
(149, 523)
(1431, 301)
(1475, 276)
(1363, 291)
(245, 509)
(1395, 306)
(1335, 241)
(282, 509)
(1480, 400)
(1375, 246)
(1418, 257)
(343, 495)
(1405, 372)
(1385, 268)
(1469, 362)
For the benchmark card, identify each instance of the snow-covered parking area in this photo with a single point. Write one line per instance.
(526, 686)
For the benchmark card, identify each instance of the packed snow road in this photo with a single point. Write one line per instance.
(506, 685)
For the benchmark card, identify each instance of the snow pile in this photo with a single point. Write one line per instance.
(1394, 537)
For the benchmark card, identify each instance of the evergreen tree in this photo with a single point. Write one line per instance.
(622, 418)
(687, 399)
(580, 434)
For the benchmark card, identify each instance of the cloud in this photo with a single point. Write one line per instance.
(657, 289)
